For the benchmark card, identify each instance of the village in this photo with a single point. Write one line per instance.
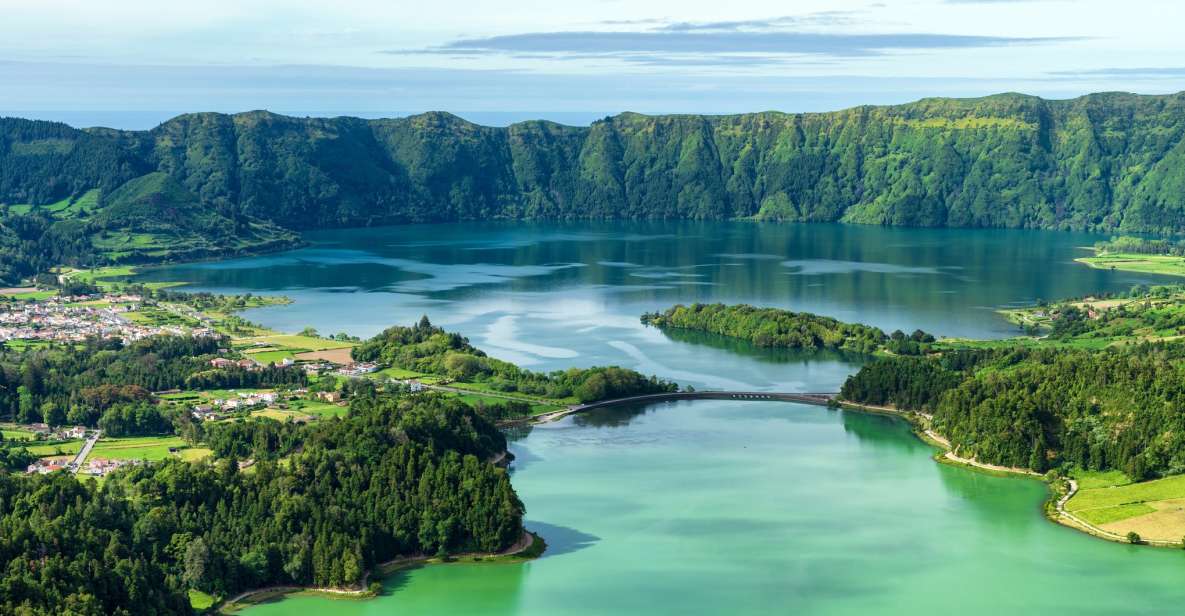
(76, 318)
(118, 314)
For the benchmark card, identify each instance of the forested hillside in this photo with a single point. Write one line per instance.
(1104, 161)
(429, 349)
(398, 476)
(1102, 389)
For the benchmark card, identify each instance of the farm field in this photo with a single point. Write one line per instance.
(16, 433)
(24, 345)
(398, 373)
(1147, 264)
(110, 277)
(211, 394)
(269, 356)
(337, 356)
(294, 341)
(537, 408)
(144, 448)
(28, 293)
(316, 407)
(67, 448)
(484, 388)
(1153, 509)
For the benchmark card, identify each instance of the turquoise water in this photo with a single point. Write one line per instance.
(718, 507)
(774, 508)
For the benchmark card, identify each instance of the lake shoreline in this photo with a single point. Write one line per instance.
(1061, 489)
(529, 547)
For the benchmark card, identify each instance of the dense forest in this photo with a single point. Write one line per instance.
(1103, 389)
(773, 327)
(400, 475)
(1118, 408)
(208, 181)
(1141, 245)
(429, 349)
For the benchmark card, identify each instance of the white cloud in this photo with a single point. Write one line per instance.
(532, 54)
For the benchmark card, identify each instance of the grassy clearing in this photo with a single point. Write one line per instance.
(73, 208)
(1146, 264)
(199, 600)
(193, 454)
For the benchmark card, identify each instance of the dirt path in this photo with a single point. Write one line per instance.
(950, 455)
(1061, 502)
(938, 438)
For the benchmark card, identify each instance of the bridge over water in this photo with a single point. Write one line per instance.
(817, 399)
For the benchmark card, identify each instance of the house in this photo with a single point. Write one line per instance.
(222, 362)
(44, 466)
(329, 396)
(316, 368)
(358, 368)
(102, 466)
(75, 432)
(206, 412)
(287, 361)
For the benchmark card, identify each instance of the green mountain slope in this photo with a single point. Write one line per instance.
(1104, 161)
(154, 217)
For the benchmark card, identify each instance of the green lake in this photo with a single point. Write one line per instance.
(718, 507)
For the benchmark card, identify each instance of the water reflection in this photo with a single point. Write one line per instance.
(745, 348)
(614, 417)
(880, 431)
(561, 539)
(944, 280)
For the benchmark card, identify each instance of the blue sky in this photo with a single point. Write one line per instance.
(498, 61)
